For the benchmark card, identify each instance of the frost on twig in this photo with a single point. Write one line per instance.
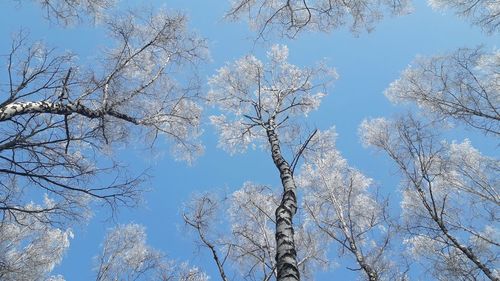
(60, 121)
(289, 18)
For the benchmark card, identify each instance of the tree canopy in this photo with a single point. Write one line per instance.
(361, 140)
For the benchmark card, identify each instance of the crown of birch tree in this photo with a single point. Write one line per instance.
(462, 86)
(483, 13)
(290, 18)
(251, 94)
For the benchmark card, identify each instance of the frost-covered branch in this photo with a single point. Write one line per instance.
(126, 256)
(483, 13)
(339, 202)
(252, 94)
(68, 12)
(30, 249)
(200, 214)
(450, 199)
(250, 245)
(60, 121)
(289, 18)
(462, 86)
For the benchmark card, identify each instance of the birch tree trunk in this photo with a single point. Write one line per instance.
(367, 268)
(437, 218)
(286, 254)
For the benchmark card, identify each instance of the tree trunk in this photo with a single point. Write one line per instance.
(440, 223)
(370, 272)
(347, 231)
(11, 110)
(286, 255)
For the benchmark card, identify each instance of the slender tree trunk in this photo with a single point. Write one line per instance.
(372, 274)
(286, 255)
(465, 250)
(468, 252)
(220, 265)
(360, 258)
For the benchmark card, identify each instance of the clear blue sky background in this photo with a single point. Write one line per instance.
(366, 65)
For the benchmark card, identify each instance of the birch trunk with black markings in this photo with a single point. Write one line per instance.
(286, 254)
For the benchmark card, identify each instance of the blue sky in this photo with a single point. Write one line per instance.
(366, 65)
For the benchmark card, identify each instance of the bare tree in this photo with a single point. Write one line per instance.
(462, 86)
(260, 102)
(483, 13)
(59, 121)
(450, 198)
(126, 256)
(289, 18)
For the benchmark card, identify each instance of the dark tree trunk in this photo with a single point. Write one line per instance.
(286, 255)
